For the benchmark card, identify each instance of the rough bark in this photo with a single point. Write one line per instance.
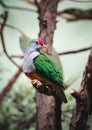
(83, 98)
(48, 13)
(46, 110)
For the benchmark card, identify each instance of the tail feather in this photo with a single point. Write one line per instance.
(62, 95)
(60, 92)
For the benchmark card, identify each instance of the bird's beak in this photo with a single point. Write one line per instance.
(44, 46)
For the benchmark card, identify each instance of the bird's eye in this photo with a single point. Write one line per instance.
(36, 42)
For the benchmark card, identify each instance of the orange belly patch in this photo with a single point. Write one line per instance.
(44, 80)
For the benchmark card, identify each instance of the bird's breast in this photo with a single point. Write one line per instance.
(28, 65)
(47, 82)
(35, 75)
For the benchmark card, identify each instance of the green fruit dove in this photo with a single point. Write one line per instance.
(39, 66)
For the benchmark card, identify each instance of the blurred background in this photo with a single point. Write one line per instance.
(17, 109)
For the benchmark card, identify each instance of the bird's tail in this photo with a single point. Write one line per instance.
(60, 92)
(63, 96)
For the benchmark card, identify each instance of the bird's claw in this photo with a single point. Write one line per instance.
(37, 83)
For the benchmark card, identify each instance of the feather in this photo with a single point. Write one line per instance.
(46, 67)
(42, 67)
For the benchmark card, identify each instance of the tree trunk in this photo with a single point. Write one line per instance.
(83, 98)
(47, 108)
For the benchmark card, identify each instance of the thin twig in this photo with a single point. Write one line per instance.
(16, 8)
(4, 16)
(13, 27)
(75, 51)
(5, 51)
(62, 53)
(17, 56)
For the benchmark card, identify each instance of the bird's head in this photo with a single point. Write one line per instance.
(38, 44)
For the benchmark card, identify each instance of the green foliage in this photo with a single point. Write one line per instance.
(17, 110)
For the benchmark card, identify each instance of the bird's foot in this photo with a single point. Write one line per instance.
(36, 83)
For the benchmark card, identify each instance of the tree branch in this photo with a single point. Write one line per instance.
(48, 111)
(48, 23)
(76, 14)
(58, 113)
(75, 51)
(44, 89)
(13, 27)
(5, 51)
(61, 53)
(12, 81)
(17, 56)
(16, 8)
(10, 84)
(83, 98)
(5, 16)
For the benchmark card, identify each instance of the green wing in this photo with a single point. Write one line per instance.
(46, 66)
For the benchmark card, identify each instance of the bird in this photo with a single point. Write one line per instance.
(39, 66)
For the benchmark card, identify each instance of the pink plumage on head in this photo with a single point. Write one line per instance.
(41, 41)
